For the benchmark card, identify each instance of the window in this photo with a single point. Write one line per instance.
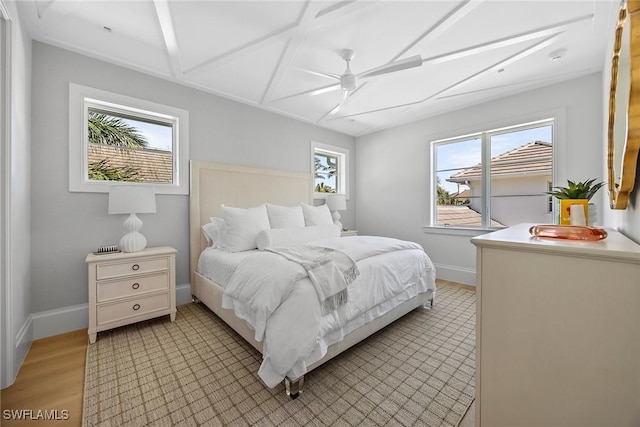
(115, 140)
(330, 166)
(495, 178)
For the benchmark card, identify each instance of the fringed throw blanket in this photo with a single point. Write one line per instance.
(330, 271)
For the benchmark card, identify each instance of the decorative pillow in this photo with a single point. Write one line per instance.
(316, 215)
(242, 227)
(284, 217)
(213, 230)
(279, 237)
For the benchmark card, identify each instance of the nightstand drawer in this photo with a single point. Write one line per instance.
(132, 286)
(116, 269)
(134, 307)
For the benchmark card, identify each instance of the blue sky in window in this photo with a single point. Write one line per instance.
(451, 158)
(330, 181)
(159, 137)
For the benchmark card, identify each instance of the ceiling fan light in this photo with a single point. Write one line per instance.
(348, 82)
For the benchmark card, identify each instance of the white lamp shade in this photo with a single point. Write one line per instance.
(129, 199)
(336, 202)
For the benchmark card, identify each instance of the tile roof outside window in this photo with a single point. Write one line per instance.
(461, 216)
(533, 158)
(152, 165)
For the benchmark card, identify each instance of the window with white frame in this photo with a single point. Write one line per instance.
(330, 166)
(495, 178)
(116, 140)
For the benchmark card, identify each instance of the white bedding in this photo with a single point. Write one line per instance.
(391, 272)
(219, 265)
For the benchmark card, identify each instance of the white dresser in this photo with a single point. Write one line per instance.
(129, 287)
(558, 331)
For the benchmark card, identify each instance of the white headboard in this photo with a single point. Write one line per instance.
(215, 184)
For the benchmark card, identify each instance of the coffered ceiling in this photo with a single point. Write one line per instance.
(286, 56)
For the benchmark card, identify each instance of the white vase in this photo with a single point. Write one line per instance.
(593, 214)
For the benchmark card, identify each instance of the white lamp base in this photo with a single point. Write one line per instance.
(336, 219)
(133, 241)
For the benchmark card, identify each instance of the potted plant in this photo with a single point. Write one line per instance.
(575, 193)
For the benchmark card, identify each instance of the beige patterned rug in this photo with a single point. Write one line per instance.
(418, 371)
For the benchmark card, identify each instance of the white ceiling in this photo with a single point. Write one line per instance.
(265, 53)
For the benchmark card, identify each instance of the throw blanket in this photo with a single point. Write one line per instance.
(329, 270)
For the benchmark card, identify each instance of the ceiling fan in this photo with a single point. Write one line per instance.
(348, 82)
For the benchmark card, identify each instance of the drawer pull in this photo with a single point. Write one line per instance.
(135, 285)
(136, 306)
(135, 267)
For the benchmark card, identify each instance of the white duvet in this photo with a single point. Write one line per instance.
(276, 298)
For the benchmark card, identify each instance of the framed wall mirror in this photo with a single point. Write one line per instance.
(624, 106)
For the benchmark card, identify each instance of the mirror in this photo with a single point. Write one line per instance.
(624, 107)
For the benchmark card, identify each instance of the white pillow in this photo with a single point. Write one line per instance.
(316, 215)
(242, 227)
(281, 237)
(284, 217)
(213, 230)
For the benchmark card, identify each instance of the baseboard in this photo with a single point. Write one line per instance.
(72, 318)
(183, 294)
(24, 338)
(453, 273)
(60, 321)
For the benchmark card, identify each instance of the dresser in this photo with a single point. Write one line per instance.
(558, 331)
(129, 287)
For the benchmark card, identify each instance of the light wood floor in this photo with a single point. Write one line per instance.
(52, 378)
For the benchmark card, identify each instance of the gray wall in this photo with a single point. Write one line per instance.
(66, 226)
(392, 167)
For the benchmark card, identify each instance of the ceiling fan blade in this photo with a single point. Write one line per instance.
(320, 73)
(403, 64)
(334, 110)
(343, 100)
(324, 89)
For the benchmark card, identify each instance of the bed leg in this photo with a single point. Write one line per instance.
(429, 305)
(294, 387)
(194, 299)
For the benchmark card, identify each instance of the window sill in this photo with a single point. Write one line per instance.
(456, 231)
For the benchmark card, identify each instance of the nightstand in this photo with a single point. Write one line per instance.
(349, 233)
(125, 288)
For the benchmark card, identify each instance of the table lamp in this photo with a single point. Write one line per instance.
(335, 203)
(132, 199)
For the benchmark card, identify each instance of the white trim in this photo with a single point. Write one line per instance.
(79, 99)
(456, 274)
(24, 338)
(4, 12)
(74, 317)
(456, 231)
(25, 334)
(7, 353)
(60, 320)
(183, 294)
(343, 168)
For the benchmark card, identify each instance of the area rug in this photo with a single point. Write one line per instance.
(418, 371)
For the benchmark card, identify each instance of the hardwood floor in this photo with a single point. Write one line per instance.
(52, 379)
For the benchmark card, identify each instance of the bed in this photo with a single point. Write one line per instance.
(217, 188)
